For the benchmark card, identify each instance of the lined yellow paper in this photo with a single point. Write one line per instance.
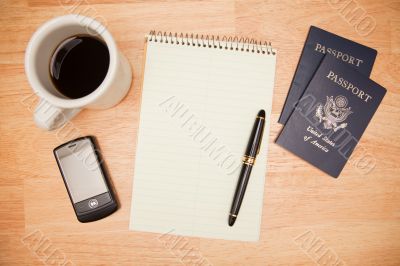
(198, 108)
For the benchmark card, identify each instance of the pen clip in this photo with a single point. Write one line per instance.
(261, 137)
(259, 147)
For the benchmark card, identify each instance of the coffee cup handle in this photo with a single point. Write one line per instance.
(50, 117)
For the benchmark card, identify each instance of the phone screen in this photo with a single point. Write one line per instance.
(81, 170)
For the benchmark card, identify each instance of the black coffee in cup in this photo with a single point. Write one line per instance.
(79, 65)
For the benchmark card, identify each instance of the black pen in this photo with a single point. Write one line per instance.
(253, 147)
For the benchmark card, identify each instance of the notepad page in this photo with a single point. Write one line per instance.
(198, 108)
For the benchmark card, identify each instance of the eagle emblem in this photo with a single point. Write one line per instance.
(333, 113)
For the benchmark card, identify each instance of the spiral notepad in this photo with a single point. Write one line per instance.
(200, 96)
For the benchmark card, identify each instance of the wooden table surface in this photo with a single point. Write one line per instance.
(308, 217)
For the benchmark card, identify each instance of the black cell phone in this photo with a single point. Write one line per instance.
(85, 178)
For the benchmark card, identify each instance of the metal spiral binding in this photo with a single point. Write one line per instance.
(211, 41)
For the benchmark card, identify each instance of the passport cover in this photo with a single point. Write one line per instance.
(318, 43)
(331, 116)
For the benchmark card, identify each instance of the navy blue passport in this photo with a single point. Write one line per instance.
(318, 43)
(331, 116)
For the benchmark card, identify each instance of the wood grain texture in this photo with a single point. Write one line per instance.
(307, 216)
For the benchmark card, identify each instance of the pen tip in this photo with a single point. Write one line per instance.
(232, 220)
(261, 113)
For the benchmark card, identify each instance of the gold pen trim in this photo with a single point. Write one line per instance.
(233, 215)
(249, 160)
(260, 117)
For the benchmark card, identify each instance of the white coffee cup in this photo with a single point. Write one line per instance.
(54, 109)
